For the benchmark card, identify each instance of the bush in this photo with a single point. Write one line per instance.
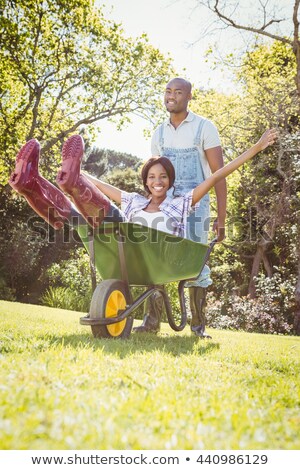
(69, 283)
(6, 293)
(73, 273)
(65, 298)
(271, 312)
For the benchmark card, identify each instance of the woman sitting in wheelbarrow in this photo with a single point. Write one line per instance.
(91, 197)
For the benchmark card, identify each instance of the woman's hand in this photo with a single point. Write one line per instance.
(268, 138)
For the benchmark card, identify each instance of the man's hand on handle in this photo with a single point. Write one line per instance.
(219, 230)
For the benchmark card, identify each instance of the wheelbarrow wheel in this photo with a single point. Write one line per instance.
(109, 297)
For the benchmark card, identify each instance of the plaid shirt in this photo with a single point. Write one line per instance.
(177, 209)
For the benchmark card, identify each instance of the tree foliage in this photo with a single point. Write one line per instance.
(100, 161)
(263, 203)
(271, 94)
(265, 22)
(127, 180)
(64, 66)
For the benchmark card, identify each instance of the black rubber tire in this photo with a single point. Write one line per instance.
(108, 297)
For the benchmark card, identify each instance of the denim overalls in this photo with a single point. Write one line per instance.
(189, 173)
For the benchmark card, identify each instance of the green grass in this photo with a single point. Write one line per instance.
(62, 389)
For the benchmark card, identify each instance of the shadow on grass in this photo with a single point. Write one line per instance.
(174, 345)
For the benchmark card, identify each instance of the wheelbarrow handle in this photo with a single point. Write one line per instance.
(210, 248)
(212, 243)
(204, 261)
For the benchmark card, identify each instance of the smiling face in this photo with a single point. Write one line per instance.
(164, 168)
(158, 181)
(177, 95)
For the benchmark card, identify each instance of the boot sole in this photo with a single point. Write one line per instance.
(72, 153)
(20, 178)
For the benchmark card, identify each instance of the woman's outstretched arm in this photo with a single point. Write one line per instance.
(267, 139)
(110, 191)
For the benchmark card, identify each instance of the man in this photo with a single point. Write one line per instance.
(192, 144)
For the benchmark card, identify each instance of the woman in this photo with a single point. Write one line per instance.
(91, 197)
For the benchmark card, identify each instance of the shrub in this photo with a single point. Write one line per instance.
(271, 312)
(65, 298)
(73, 273)
(69, 283)
(6, 293)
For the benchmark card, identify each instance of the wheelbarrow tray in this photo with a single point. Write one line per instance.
(151, 257)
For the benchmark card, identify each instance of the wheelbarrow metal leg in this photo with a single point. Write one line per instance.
(122, 315)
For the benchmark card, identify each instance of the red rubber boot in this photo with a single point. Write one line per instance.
(88, 199)
(45, 198)
(27, 167)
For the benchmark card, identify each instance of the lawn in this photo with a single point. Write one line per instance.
(62, 389)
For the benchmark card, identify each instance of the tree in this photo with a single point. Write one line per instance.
(64, 66)
(127, 180)
(100, 161)
(263, 205)
(228, 14)
(267, 74)
(95, 161)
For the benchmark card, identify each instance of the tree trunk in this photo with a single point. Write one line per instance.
(296, 45)
(260, 256)
(297, 289)
(297, 297)
(254, 272)
(267, 265)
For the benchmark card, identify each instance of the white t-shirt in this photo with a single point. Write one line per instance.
(157, 220)
(184, 137)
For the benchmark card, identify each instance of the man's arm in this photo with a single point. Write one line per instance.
(215, 160)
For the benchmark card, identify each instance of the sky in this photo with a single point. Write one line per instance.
(177, 28)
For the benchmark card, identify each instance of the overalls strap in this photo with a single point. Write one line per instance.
(198, 137)
(161, 139)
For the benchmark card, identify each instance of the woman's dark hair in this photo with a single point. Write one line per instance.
(165, 162)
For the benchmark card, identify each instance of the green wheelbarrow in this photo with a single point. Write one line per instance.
(128, 255)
